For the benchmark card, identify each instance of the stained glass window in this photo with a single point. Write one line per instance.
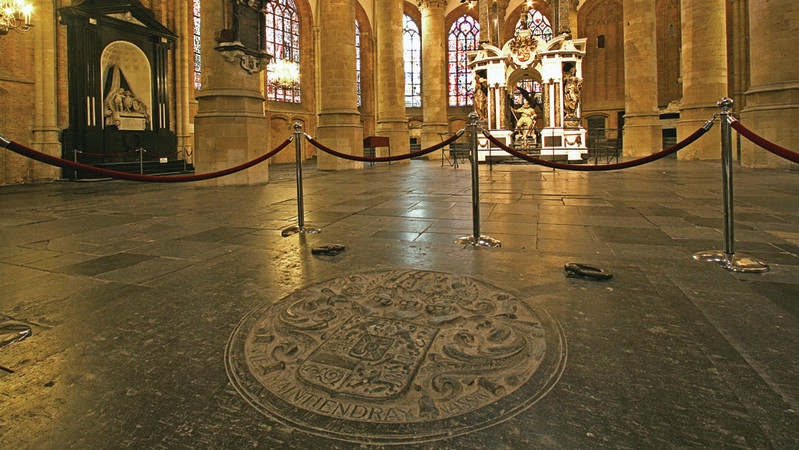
(197, 59)
(358, 60)
(539, 24)
(283, 43)
(412, 44)
(464, 36)
(530, 86)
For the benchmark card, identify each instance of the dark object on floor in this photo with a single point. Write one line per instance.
(11, 332)
(586, 271)
(331, 250)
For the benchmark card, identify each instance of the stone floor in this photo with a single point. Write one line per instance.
(134, 290)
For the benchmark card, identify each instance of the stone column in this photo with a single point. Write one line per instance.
(392, 121)
(573, 23)
(45, 121)
(772, 101)
(434, 73)
(184, 76)
(339, 121)
(642, 131)
(230, 127)
(738, 51)
(704, 73)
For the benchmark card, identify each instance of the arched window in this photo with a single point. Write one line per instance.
(283, 43)
(197, 59)
(358, 60)
(412, 44)
(464, 36)
(530, 86)
(539, 24)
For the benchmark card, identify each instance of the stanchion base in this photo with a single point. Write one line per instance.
(295, 229)
(484, 241)
(737, 262)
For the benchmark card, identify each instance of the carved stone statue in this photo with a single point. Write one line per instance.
(527, 120)
(480, 89)
(572, 91)
(120, 105)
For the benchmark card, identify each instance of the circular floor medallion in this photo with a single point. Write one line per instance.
(395, 357)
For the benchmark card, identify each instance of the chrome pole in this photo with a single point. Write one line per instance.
(298, 167)
(300, 227)
(141, 160)
(475, 177)
(476, 238)
(727, 179)
(727, 257)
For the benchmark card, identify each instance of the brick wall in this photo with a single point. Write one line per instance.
(16, 103)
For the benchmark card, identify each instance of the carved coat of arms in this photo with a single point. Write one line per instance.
(370, 357)
(524, 48)
(378, 356)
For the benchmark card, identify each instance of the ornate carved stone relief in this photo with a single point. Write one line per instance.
(235, 53)
(397, 356)
(431, 4)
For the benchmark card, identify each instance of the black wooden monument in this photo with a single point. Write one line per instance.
(119, 100)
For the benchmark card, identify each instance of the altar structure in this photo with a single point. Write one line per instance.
(548, 121)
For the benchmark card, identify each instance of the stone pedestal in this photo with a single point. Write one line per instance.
(704, 73)
(230, 127)
(642, 131)
(392, 121)
(772, 101)
(339, 121)
(434, 81)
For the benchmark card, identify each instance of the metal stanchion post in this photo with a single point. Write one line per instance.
(141, 160)
(490, 159)
(476, 238)
(727, 258)
(300, 227)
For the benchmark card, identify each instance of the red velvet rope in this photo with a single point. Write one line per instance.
(767, 145)
(410, 155)
(66, 164)
(593, 168)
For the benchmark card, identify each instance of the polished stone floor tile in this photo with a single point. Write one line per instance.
(137, 294)
(105, 264)
(219, 234)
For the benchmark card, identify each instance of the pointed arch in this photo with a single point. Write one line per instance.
(512, 18)
(412, 49)
(463, 36)
(283, 43)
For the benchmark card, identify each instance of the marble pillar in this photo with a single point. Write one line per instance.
(562, 16)
(230, 127)
(392, 121)
(772, 101)
(434, 73)
(491, 25)
(704, 73)
(45, 119)
(642, 131)
(339, 121)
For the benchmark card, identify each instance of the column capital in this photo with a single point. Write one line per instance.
(432, 5)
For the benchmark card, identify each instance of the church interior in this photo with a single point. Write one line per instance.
(449, 159)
